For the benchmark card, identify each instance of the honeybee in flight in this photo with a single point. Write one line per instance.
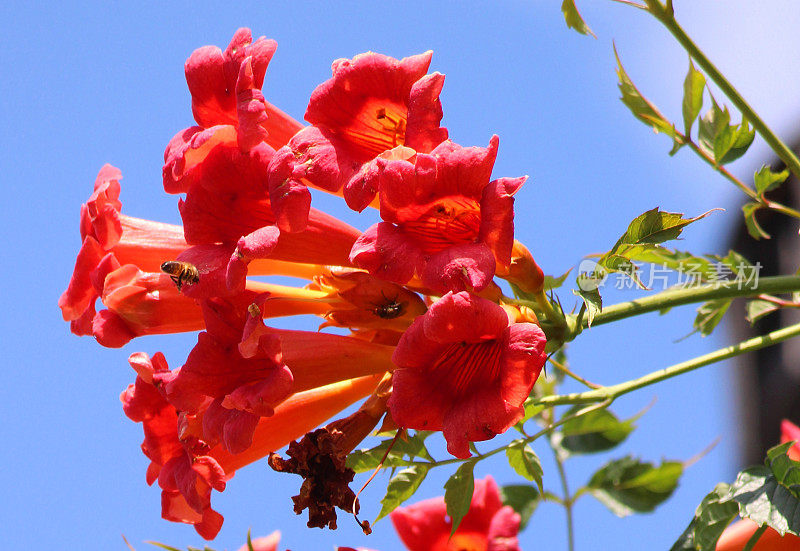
(181, 272)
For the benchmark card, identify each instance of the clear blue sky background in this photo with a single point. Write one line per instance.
(93, 82)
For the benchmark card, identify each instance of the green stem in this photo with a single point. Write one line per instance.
(687, 295)
(567, 502)
(610, 393)
(667, 18)
(751, 543)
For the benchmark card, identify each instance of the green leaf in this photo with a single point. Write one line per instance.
(753, 227)
(401, 487)
(709, 314)
(733, 142)
(552, 282)
(593, 302)
(367, 460)
(525, 462)
(655, 226)
(458, 493)
(573, 18)
(713, 514)
(711, 126)
(786, 471)
(597, 431)
(641, 108)
(523, 499)
(628, 485)
(693, 86)
(757, 309)
(680, 261)
(531, 409)
(766, 180)
(643, 237)
(764, 501)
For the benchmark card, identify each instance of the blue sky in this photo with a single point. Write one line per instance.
(94, 82)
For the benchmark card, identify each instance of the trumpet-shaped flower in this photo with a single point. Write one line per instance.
(187, 466)
(443, 220)
(226, 90)
(464, 368)
(110, 239)
(373, 105)
(487, 526)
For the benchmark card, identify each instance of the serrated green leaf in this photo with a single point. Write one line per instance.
(597, 431)
(593, 302)
(642, 238)
(713, 514)
(552, 282)
(628, 485)
(367, 460)
(523, 499)
(654, 227)
(786, 471)
(765, 180)
(709, 314)
(525, 462)
(693, 86)
(711, 126)
(458, 493)
(757, 309)
(641, 108)
(401, 487)
(753, 227)
(763, 500)
(733, 142)
(574, 19)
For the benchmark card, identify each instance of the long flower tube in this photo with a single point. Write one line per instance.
(188, 466)
(296, 416)
(142, 303)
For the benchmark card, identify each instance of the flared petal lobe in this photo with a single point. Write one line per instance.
(444, 221)
(109, 240)
(487, 526)
(371, 105)
(226, 90)
(465, 369)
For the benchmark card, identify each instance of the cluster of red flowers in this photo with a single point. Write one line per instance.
(432, 342)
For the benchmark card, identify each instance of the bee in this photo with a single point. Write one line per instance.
(181, 272)
(390, 309)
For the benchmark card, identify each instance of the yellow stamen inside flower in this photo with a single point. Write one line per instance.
(378, 127)
(446, 222)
